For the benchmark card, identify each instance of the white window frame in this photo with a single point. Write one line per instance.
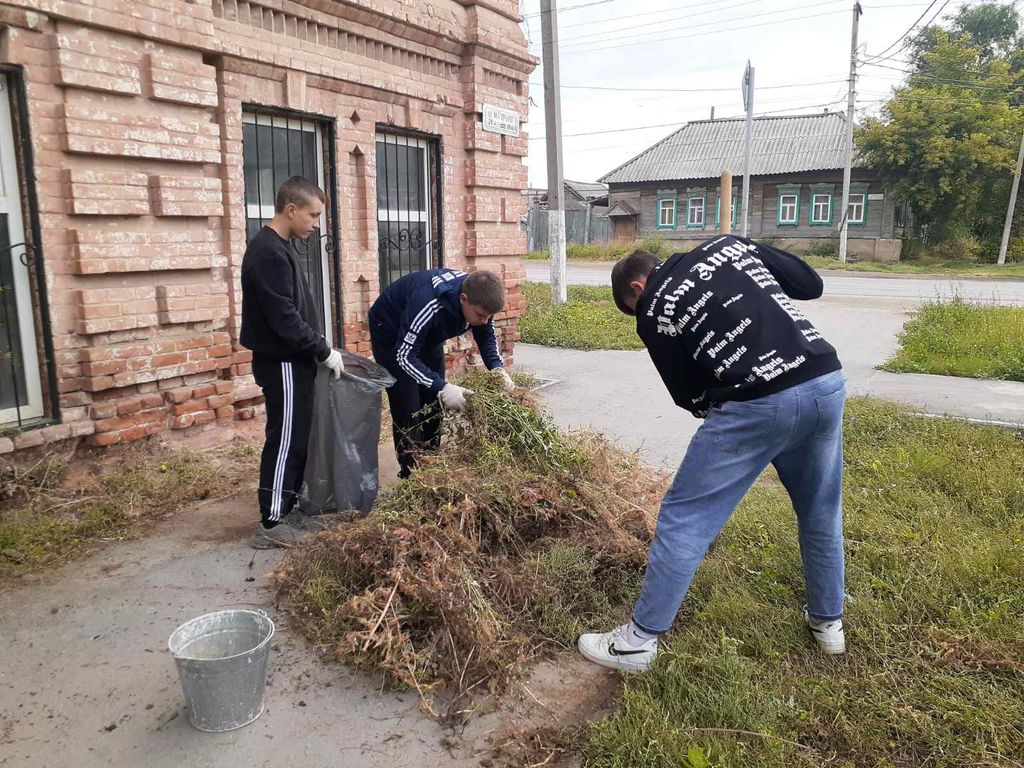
(863, 208)
(815, 219)
(789, 200)
(667, 204)
(266, 211)
(10, 204)
(691, 209)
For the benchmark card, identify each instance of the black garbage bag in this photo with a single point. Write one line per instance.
(341, 469)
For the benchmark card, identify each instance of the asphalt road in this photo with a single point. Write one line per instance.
(906, 289)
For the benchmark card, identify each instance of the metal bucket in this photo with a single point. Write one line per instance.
(222, 664)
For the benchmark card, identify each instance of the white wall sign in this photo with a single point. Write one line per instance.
(503, 121)
(876, 197)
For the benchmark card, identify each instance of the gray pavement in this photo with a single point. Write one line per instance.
(87, 679)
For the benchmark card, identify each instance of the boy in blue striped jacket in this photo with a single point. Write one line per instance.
(409, 324)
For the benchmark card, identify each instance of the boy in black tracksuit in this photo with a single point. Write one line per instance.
(278, 325)
(409, 324)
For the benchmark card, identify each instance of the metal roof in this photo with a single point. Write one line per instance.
(587, 189)
(704, 148)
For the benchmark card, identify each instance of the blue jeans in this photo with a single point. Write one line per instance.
(800, 431)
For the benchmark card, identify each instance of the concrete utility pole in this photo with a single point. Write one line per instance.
(1013, 202)
(553, 130)
(748, 102)
(851, 106)
(725, 204)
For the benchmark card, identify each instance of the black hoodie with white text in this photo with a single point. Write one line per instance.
(720, 324)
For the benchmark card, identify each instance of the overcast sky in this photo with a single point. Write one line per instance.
(701, 44)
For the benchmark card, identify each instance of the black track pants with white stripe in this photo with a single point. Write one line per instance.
(288, 389)
(415, 412)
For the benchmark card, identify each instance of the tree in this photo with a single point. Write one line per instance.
(992, 28)
(946, 142)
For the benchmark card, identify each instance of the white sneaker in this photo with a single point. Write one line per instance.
(613, 650)
(828, 634)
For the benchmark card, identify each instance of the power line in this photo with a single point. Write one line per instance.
(900, 39)
(725, 30)
(611, 34)
(568, 8)
(693, 90)
(610, 19)
(679, 124)
(948, 81)
(915, 37)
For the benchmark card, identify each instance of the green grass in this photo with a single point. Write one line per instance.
(934, 675)
(959, 338)
(590, 320)
(920, 267)
(612, 251)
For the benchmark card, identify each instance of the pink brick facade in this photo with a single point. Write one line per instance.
(135, 112)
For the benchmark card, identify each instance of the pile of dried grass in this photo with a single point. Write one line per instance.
(500, 547)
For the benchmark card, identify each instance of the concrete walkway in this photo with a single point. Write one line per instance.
(621, 395)
(87, 680)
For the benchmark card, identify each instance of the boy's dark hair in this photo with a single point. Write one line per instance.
(485, 290)
(636, 266)
(299, 191)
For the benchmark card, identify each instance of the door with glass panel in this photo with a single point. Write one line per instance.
(275, 148)
(21, 396)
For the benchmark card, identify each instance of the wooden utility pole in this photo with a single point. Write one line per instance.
(725, 204)
(1012, 204)
(553, 130)
(851, 106)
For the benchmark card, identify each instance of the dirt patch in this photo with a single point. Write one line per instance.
(539, 719)
(52, 510)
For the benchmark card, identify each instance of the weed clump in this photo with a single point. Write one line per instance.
(500, 546)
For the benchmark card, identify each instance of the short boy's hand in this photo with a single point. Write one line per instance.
(334, 363)
(506, 380)
(453, 397)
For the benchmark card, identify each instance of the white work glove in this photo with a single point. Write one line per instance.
(453, 397)
(334, 363)
(506, 381)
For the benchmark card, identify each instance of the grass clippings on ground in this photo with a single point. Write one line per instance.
(960, 338)
(934, 676)
(590, 319)
(514, 538)
(49, 514)
(505, 545)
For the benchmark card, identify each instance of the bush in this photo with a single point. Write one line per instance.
(826, 249)
(1015, 251)
(956, 248)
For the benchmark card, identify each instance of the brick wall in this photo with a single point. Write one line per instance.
(136, 122)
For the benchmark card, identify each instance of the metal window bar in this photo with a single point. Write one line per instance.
(408, 223)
